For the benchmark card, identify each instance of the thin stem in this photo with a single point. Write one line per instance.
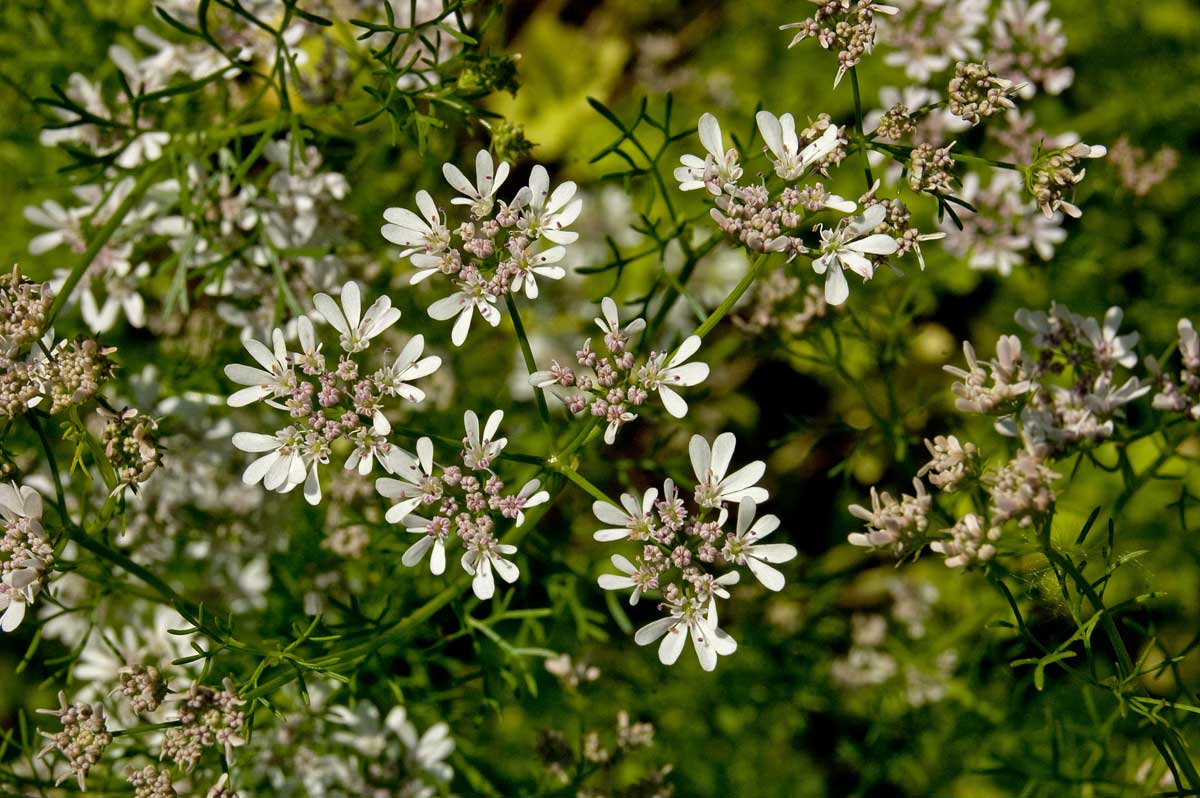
(582, 482)
(723, 309)
(527, 352)
(101, 238)
(858, 127)
(52, 462)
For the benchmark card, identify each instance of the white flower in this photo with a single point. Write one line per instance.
(275, 379)
(744, 549)
(1110, 347)
(394, 380)
(616, 336)
(780, 135)
(119, 279)
(716, 170)
(282, 467)
(427, 753)
(1104, 400)
(144, 148)
(619, 582)
(546, 218)
(480, 450)
(676, 371)
(426, 234)
(688, 620)
(528, 496)
(415, 481)
(16, 594)
(487, 180)
(64, 226)
(482, 558)
(21, 507)
(474, 295)
(529, 265)
(846, 246)
(636, 522)
(713, 487)
(433, 539)
(617, 418)
(20, 502)
(356, 328)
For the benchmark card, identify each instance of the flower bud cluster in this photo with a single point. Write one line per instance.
(1053, 177)
(24, 309)
(83, 738)
(208, 718)
(930, 169)
(976, 92)
(847, 26)
(75, 371)
(68, 376)
(131, 445)
(617, 382)
(897, 527)
(151, 782)
(144, 687)
(950, 462)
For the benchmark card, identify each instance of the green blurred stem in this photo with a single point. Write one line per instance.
(723, 309)
(527, 351)
(858, 127)
(144, 181)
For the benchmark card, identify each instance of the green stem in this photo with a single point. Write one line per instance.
(723, 309)
(858, 127)
(587, 487)
(144, 181)
(527, 352)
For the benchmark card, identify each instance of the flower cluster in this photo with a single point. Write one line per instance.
(1057, 394)
(131, 446)
(1140, 172)
(1182, 394)
(462, 501)
(617, 382)
(26, 552)
(968, 62)
(239, 235)
(683, 552)
(976, 92)
(207, 718)
(847, 26)
(498, 249)
(874, 638)
(765, 222)
(1053, 177)
(83, 738)
(563, 760)
(329, 403)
